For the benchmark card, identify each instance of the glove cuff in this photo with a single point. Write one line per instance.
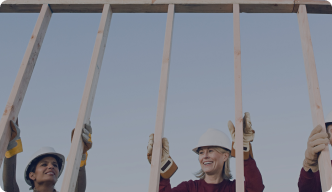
(15, 150)
(84, 158)
(168, 168)
(246, 154)
(314, 167)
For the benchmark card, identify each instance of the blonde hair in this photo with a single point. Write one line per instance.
(226, 171)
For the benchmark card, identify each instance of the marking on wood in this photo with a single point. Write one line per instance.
(23, 77)
(76, 149)
(161, 108)
(324, 161)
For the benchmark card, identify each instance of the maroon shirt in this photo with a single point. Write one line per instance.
(253, 182)
(309, 181)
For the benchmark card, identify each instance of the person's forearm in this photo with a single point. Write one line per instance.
(81, 180)
(253, 178)
(9, 175)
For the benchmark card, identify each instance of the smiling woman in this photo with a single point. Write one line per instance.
(45, 166)
(214, 150)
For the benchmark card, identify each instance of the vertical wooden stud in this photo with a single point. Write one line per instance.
(76, 149)
(23, 77)
(161, 108)
(238, 101)
(324, 161)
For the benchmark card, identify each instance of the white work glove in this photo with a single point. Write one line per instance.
(15, 144)
(248, 136)
(316, 143)
(86, 137)
(168, 166)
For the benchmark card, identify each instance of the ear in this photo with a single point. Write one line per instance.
(225, 156)
(32, 176)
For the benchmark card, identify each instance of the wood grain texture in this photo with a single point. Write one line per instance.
(23, 77)
(324, 161)
(160, 6)
(76, 149)
(161, 107)
(238, 101)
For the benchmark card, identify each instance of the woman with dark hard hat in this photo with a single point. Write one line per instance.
(214, 150)
(309, 180)
(44, 167)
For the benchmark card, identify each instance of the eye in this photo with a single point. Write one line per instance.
(55, 165)
(210, 150)
(43, 164)
(201, 152)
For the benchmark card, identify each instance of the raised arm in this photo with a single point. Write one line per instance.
(9, 175)
(9, 166)
(309, 180)
(86, 137)
(253, 178)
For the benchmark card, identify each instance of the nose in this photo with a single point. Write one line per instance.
(50, 166)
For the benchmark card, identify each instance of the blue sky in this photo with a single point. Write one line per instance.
(200, 94)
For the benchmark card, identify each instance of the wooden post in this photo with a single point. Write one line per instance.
(324, 161)
(161, 108)
(238, 101)
(76, 149)
(23, 77)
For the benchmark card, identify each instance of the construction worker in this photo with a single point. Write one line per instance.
(214, 150)
(44, 167)
(309, 180)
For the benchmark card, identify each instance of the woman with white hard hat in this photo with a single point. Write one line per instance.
(44, 167)
(309, 180)
(214, 150)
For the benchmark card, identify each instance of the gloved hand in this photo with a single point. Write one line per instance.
(15, 143)
(168, 166)
(86, 137)
(316, 143)
(248, 136)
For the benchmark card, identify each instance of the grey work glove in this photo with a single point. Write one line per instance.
(86, 137)
(316, 143)
(15, 144)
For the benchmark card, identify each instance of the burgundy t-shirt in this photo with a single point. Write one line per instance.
(253, 182)
(309, 181)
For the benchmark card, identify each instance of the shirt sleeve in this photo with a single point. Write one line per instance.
(309, 181)
(253, 178)
(165, 186)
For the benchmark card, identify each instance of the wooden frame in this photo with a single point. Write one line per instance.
(161, 6)
(23, 77)
(161, 108)
(76, 149)
(47, 7)
(238, 101)
(324, 161)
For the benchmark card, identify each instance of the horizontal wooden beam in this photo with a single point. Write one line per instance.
(160, 6)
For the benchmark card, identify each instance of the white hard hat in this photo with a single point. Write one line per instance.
(328, 118)
(213, 137)
(41, 152)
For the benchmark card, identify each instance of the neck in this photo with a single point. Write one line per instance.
(44, 188)
(213, 179)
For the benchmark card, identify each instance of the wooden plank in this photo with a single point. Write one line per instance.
(238, 101)
(160, 6)
(23, 77)
(76, 149)
(324, 161)
(161, 107)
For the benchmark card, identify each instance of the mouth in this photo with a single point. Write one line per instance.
(207, 163)
(50, 173)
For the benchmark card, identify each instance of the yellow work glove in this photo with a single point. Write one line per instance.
(86, 137)
(15, 144)
(168, 166)
(248, 136)
(316, 143)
